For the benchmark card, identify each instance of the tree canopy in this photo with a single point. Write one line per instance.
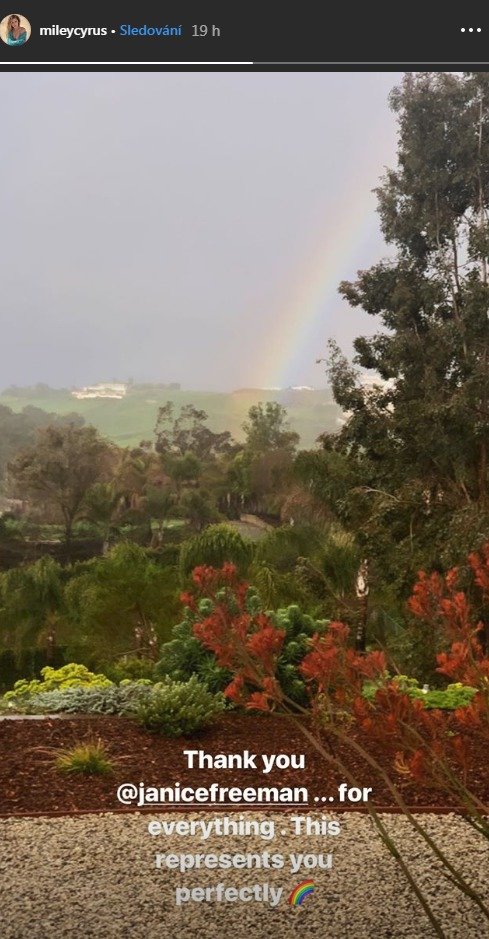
(267, 428)
(188, 433)
(419, 432)
(61, 468)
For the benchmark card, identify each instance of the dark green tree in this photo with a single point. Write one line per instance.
(121, 604)
(213, 547)
(31, 606)
(198, 509)
(18, 430)
(261, 472)
(183, 470)
(58, 472)
(267, 428)
(419, 436)
(188, 433)
(103, 505)
(159, 505)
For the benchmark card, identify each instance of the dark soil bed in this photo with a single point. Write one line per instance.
(29, 783)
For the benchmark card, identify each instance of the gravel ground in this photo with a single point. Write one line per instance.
(95, 875)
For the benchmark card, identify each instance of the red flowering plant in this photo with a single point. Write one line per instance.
(335, 672)
(243, 638)
(248, 642)
(228, 621)
(415, 740)
(438, 600)
(420, 742)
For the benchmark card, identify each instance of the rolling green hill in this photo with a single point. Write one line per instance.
(131, 419)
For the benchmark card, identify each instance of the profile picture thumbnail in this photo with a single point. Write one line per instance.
(15, 29)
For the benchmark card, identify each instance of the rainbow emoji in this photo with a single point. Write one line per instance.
(299, 893)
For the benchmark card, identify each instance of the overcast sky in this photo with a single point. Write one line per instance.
(186, 227)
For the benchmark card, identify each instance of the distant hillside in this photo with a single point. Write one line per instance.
(131, 419)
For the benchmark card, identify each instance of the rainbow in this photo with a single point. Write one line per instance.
(299, 893)
(308, 309)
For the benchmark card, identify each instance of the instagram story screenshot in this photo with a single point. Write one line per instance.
(244, 472)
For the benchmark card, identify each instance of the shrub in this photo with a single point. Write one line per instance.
(185, 655)
(109, 699)
(177, 708)
(215, 546)
(299, 630)
(118, 601)
(69, 676)
(131, 668)
(89, 757)
(453, 697)
(281, 548)
(448, 699)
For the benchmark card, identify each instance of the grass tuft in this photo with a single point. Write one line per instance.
(89, 757)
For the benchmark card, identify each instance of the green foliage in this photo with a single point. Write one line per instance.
(188, 433)
(198, 508)
(177, 709)
(8, 527)
(315, 567)
(282, 547)
(185, 656)
(66, 462)
(133, 418)
(129, 668)
(18, 430)
(328, 476)
(454, 696)
(267, 428)
(168, 555)
(213, 547)
(260, 474)
(279, 588)
(93, 609)
(408, 472)
(413, 648)
(89, 757)
(31, 604)
(299, 629)
(448, 699)
(102, 507)
(87, 699)
(159, 504)
(68, 676)
(117, 602)
(184, 470)
(338, 560)
(466, 530)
